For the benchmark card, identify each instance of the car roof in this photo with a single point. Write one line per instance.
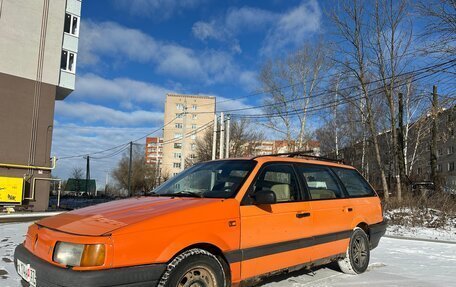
(323, 162)
(279, 158)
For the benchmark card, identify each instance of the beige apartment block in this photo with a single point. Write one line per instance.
(187, 117)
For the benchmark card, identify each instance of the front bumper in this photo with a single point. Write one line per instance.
(48, 275)
(376, 231)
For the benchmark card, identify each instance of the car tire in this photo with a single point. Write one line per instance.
(357, 256)
(194, 266)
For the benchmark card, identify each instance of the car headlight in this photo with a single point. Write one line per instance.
(84, 255)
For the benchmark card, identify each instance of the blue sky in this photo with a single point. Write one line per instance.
(131, 53)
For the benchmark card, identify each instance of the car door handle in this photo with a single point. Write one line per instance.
(348, 209)
(303, 214)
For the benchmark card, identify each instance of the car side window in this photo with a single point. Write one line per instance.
(353, 182)
(281, 180)
(320, 182)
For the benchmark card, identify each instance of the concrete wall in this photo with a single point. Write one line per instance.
(21, 32)
(16, 109)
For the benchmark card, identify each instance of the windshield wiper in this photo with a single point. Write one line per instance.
(185, 193)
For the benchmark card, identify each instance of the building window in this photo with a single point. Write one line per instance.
(178, 126)
(71, 24)
(179, 116)
(176, 164)
(194, 107)
(180, 106)
(439, 168)
(193, 137)
(177, 155)
(451, 166)
(440, 152)
(193, 156)
(177, 135)
(419, 170)
(68, 61)
(193, 146)
(193, 126)
(450, 150)
(177, 145)
(194, 116)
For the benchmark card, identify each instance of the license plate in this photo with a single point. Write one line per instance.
(26, 272)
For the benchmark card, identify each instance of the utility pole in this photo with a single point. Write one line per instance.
(129, 169)
(227, 145)
(214, 138)
(401, 144)
(184, 128)
(336, 129)
(222, 136)
(435, 102)
(87, 174)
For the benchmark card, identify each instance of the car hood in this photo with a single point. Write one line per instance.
(104, 218)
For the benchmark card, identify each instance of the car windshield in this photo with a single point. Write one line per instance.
(215, 179)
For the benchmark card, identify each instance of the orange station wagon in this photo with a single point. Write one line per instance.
(218, 223)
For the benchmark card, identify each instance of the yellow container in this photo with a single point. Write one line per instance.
(11, 190)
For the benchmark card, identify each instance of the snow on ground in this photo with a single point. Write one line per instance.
(396, 262)
(448, 234)
(421, 223)
(11, 234)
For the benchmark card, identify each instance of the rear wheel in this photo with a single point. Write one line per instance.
(358, 253)
(194, 268)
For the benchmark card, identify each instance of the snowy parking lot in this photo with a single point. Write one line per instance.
(396, 262)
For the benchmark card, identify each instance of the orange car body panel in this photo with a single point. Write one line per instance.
(149, 230)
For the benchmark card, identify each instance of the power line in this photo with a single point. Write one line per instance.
(323, 105)
(115, 147)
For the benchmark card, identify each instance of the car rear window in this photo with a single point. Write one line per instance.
(320, 183)
(354, 183)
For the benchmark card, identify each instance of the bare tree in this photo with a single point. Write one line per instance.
(441, 16)
(354, 59)
(244, 138)
(143, 176)
(291, 84)
(392, 42)
(77, 173)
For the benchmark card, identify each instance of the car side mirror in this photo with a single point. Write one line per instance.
(264, 196)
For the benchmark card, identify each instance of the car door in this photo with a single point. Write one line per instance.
(274, 236)
(331, 211)
(363, 200)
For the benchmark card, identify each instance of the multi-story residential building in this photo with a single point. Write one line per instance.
(154, 150)
(187, 117)
(38, 52)
(417, 152)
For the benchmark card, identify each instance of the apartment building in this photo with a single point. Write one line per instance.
(38, 55)
(187, 117)
(154, 150)
(417, 153)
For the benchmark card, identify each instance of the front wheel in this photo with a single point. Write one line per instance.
(195, 268)
(358, 253)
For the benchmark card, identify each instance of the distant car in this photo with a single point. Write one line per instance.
(215, 224)
(423, 188)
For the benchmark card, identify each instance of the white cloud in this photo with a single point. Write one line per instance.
(90, 113)
(119, 42)
(294, 27)
(123, 90)
(161, 9)
(290, 28)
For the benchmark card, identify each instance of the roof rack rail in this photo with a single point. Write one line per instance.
(304, 154)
